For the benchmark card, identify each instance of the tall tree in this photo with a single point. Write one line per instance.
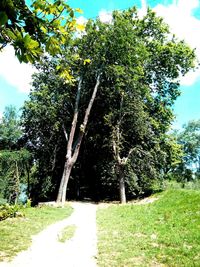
(146, 63)
(135, 63)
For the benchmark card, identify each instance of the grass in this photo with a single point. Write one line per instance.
(67, 233)
(15, 233)
(164, 233)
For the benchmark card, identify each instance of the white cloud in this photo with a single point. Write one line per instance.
(190, 78)
(15, 73)
(185, 26)
(105, 16)
(81, 20)
(143, 10)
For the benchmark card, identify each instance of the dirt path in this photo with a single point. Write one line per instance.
(80, 251)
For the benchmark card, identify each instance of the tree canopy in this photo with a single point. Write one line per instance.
(138, 63)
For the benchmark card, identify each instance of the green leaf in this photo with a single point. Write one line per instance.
(71, 13)
(3, 18)
(11, 34)
(79, 10)
(43, 29)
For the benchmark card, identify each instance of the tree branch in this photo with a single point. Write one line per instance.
(74, 122)
(65, 133)
(85, 121)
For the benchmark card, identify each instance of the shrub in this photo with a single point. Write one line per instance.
(8, 211)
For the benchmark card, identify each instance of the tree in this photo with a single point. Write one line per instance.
(172, 155)
(189, 139)
(135, 63)
(50, 105)
(14, 171)
(14, 161)
(10, 130)
(42, 27)
(147, 63)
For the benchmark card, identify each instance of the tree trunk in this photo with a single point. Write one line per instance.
(17, 183)
(122, 191)
(72, 153)
(64, 181)
(120, 163)
(28, 179)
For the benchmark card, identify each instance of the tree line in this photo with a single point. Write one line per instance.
(103, 132)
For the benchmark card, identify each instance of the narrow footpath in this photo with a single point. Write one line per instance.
(47, 251)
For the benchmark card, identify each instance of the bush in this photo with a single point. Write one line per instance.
(8, 211)
(2, 201)
(173, 184)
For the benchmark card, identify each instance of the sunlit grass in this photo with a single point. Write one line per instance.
(164, 233)
(15, 233)
(67, 233)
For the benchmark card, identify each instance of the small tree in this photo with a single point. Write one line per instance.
(189, 139)
(14, 170)
(14, 162)
(10, 130)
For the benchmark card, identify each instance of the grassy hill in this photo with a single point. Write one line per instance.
(163, 233)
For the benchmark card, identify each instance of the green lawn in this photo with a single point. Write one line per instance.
(15, 233)
(164, 233)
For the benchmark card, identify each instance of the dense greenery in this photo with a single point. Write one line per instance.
(125, 140)
(7, 211)
(164, 233)
(106, 127)
(15, 159)
(189, 139)
(34, 28)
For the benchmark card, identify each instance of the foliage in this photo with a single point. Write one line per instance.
(189, 138)
(10, 130)
(7, 211)
(14, 161)
(35, 29)
(137, 96)
(173, 184)
(164, 233)
(140, 64)
(16, 233)
(49, 107)
(14, 168)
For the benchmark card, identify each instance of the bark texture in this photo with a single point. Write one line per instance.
(72, 153)
(120, 162)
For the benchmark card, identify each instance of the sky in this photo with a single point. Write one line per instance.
(183, 17)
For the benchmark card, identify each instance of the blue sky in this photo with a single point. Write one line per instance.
(183, 16)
